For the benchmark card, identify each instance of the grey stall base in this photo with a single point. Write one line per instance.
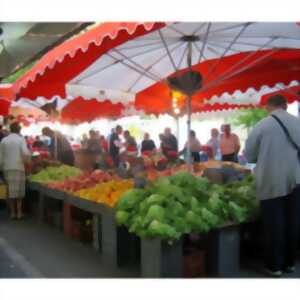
(224, 252)
(160, 259)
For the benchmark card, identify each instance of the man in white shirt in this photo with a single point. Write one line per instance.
(13, 156)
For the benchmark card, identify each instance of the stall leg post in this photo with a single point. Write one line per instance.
(224, 252)
(41, 208)
(161, 260)
(67, 219)
(109, 238)
(97, 232)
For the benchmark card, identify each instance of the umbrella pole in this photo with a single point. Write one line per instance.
(188, 110)
(188, 148)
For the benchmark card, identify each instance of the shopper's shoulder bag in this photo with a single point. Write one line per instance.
(288, 135)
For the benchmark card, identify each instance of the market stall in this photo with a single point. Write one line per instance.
(115, 68)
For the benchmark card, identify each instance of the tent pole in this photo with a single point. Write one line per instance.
(188, 109)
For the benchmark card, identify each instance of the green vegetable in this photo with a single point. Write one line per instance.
(210, 218)
(238, 213)
(182, 204)
(154, 199)
(158, 229)
(122, 217)
(155, 212)
(130, 198)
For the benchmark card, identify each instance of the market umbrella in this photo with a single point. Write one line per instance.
(6, 96)
(292, 94)
(124, 69)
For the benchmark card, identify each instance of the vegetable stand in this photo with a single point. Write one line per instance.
(154, 224)
(114, 242)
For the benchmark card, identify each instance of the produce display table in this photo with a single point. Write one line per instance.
(224, 251)
(158, 258)
(114, 242)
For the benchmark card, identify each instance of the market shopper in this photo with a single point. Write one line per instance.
(130, 142)
(84, 141)
(115, 145)
(38, 143)
(59, 148)
(229, 144)
(195, 147)
(93, 143)
(2, 133)
(14, 153)
(94, 147)
(214, 142)
(148, 145)
(170, 141)
(277, 175)
(104, 143)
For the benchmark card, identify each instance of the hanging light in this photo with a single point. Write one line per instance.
(177, 111)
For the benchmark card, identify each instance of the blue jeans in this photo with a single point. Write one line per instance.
(281, 227)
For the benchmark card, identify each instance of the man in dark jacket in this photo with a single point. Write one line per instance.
(115, 145)
(60, 148)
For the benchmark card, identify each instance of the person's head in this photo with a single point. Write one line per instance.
(92, 134)
(214, 133)
(37, 138)
(146, 136)
(84, 136)
(168, 131)
(126, 134)
(276, 102)
(192, 134)
(46, 131)
(227, 129)
(15, 127)
(119, 129)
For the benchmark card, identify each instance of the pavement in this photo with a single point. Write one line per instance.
(31, 250)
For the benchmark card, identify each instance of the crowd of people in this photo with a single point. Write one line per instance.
(223, 146)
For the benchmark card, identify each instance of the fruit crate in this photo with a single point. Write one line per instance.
(81, 232)
(117, 245)
(3, 191)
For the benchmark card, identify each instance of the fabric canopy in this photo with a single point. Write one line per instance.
(292, 94)
(6, 96)
(127, 63)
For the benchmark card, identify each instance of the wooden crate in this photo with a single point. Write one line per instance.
(3, 191)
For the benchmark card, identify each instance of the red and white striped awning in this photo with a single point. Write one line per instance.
(126, 64)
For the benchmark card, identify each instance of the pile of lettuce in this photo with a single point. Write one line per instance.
(183, 204)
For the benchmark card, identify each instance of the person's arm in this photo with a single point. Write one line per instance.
(252, 145)
(238, 144)
(153, 145)
(25, 152)
(1, 156)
